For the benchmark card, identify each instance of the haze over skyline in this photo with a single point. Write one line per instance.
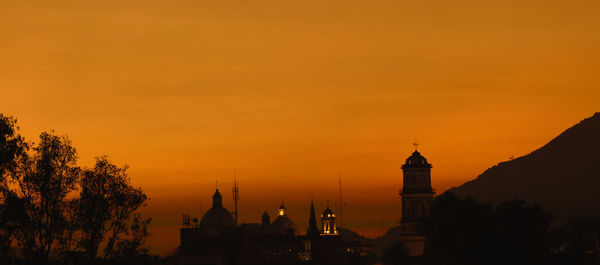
(290, 93)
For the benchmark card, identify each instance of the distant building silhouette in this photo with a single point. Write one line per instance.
(266, 219)
(283, 225)
(328, 225)
(217, 240)
(312, 231)
(217, 218)
(417, 195)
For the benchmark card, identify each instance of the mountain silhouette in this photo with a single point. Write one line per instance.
(563, 176)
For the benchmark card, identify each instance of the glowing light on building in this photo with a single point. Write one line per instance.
(282, 210)
(328, 224)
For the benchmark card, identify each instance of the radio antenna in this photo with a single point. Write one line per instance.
(236, 198)
(341, 202)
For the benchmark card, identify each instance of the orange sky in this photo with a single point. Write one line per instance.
(291, 92)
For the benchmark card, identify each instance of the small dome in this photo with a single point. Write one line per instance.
(328, 213)
(416, 160)
(282, 211)
(283, 225)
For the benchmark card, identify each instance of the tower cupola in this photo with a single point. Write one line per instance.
(417, 174)
(417, 196)
(282, 211)
(416, 160)
(328, 226)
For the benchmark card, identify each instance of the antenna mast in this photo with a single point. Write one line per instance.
(236, 198)
(341, 202)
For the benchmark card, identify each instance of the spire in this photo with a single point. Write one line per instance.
(217, 200)
(266, 219)
(341, 202)
(312, 223)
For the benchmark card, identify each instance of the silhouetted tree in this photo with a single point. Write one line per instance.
(107, 203)
(70, 240)
(395, 254)
(13, 149)
(457, 230)
(522, 233)
(127, 199)
(96, 204)
(133, 248)
(463, 231)
(41, 215)
(577, 241)
(45, 180)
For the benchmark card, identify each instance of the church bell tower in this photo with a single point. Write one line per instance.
(417, 195)
(328, 227)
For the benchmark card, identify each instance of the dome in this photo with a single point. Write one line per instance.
(283, 225)
(217, 216)
(416, 160)
(328, 213)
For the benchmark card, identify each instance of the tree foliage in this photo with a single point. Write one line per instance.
(577, 241)
(48, 176)
(51, 210)
(13, 151)
(464, 231)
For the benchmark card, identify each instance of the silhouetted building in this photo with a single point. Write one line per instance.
(417, 195)
(216, 240)
(266, 219)
(283, 225)
(312, 231)
(213, 240)
(217, 218)
(328, 226)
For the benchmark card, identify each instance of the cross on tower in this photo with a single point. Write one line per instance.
(416, 145)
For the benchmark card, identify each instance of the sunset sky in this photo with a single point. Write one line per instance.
(293, 93)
